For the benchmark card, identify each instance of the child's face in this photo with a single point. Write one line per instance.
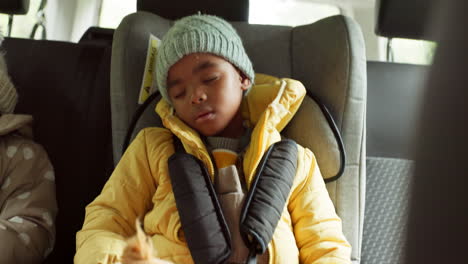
(206, 92)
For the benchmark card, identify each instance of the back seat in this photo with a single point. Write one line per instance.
(65, 86)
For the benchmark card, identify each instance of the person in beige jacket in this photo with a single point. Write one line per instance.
(27, 184)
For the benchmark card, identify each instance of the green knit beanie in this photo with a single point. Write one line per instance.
(200, 33)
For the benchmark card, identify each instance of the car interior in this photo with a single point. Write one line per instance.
(372, 124)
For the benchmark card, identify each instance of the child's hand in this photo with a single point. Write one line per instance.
(139, 249)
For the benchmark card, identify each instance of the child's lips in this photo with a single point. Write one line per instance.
(204, 117)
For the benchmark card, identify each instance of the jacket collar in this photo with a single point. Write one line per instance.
(269, 108)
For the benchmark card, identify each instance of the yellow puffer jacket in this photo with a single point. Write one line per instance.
(309, 230)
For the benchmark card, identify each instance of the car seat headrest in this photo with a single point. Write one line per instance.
(14, 7)
(230, 10)
(403, 19)
(98, 36)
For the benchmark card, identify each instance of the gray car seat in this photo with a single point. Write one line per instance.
(327, 56)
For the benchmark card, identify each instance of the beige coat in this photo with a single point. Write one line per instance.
(27, 194)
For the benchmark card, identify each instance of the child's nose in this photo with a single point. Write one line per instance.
(198, 96)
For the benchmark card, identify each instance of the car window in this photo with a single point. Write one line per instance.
(412, 51)
(291, 13)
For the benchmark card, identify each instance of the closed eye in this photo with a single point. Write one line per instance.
(179, 94)
(211, 79)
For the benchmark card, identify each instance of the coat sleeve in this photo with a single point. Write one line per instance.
(317, 227)
(110, 218)
(28, 213)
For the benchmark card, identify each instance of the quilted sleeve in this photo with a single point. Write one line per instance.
(29, 206)
(110, 218)
(317, 227)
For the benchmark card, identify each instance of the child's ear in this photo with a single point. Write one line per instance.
(245, 82)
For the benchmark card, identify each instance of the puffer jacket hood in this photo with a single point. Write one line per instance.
(27, 194)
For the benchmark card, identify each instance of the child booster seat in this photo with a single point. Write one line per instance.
(337, 77)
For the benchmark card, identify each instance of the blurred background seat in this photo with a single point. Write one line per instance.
(98, 36)
(395, 91)
(393, 99)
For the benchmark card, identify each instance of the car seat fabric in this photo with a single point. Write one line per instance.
(387, 207)
(327, 56)
(97, 36)
(129, 50)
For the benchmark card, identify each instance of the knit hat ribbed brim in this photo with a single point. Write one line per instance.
(200, 33)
